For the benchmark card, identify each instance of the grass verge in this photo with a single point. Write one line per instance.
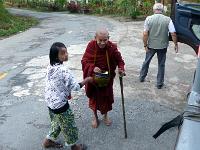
(11, 24)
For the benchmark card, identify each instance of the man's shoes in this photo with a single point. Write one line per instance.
(159, 86)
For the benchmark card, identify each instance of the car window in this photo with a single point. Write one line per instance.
(196, 30)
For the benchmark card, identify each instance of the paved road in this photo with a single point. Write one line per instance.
(24, 118)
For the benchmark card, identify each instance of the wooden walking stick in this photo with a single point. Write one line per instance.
(123, 108)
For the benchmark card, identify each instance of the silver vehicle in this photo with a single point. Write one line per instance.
(186, 18)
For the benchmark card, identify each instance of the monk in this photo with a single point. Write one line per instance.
(101, 55)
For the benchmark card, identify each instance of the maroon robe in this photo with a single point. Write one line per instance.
(101, 98)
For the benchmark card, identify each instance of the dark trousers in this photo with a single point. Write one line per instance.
(161, 55)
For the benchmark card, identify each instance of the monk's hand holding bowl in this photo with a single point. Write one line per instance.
(97, 70)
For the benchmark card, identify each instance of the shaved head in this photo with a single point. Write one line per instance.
(102, 32)
(102, 37)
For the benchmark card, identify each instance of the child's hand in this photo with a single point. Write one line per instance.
(69, 97)
(89, 79)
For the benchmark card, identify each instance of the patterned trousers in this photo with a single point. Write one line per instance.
(64, 123)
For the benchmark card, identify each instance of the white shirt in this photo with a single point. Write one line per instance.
(171, 27)
(59, 84)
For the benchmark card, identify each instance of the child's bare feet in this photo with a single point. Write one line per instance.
(95, 123)
(78, 147)
(47, 143)
(107, 121)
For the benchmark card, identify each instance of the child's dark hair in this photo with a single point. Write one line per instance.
(53, 54)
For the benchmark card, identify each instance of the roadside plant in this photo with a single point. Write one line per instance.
(73, 7)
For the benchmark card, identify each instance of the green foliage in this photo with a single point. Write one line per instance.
(135, 14)
(17, 24)
(52, 5)
(4, 17)
(135, 8)
(73, 7)
(146, 8)
(129, 8)
(10, 24)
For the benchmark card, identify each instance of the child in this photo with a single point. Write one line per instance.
(59, 83)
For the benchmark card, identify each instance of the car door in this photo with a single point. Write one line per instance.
(186, 18)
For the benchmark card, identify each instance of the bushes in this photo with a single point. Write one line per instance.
(73, 7)
(51, 5)
(16, 25)
(130, 8)
(10, 24)
(4, 17)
